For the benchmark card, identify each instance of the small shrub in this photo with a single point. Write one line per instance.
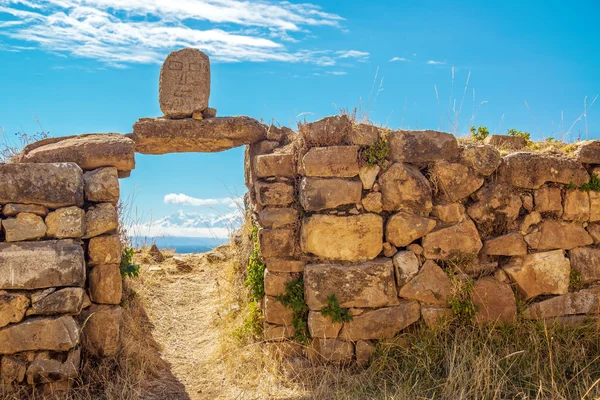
(571, 186)
(524, 135)
(252, 327)
(294, 298)
(592, 185)
(10, 148)
(575, 280)
(128, 268)
(461, 302)
(256, 270)
(377, 153)
(334, 310)
(480, 133)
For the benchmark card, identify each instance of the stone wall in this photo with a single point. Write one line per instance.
(425, 225)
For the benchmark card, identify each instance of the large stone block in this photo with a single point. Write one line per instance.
(25, 226)
(321, 194)
(11, 210)
(161, 135)
(277, 217)
(496, 208)
(102, 185)
(403, 228)
(39, 334)
(336, 161)
(406, 265)
(49, 185)
(452, 242)
(274, 194)
(184, 86)
(540, 273)
(322, 327)
(363, 134)
(63, 301)
(334, 351)
(101, 218)
(558, 235)
(352, 238)
(449, 213)
(548, 199)
(66, 223)
(12, 307)
(277, 313)
(576, 206)
(101, 332)
(506, 142)
(583, 302)
(404, 187)
(38, 265)
(511, 244)
(383, 323)
(586, 261)
(281, 265)
(104, 250)
(371, 284)
(484, 159)
(588, 152)
(275, 282)
(277, 164)
(422, 146)
(88, 151)
(105, 284)
(494, 301)
(456, 181)
(277, 243)
(328, 131)
(431, 285)
(532, 170)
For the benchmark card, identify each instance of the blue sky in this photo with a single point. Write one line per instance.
(87, 66)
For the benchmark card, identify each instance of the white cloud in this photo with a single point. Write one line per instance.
(433, 62)
(337, 73)
(119, 32)
(184, 199)
(394, 59)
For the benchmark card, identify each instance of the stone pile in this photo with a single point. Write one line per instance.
(391, 240)
(59, 264)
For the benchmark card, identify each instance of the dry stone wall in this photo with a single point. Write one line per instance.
(425, 222)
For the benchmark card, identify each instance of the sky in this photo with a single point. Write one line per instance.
(86, 66)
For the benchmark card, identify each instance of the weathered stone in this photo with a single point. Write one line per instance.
(274, 332)
(322, 327)
(336, 161)
(449, 213)
(328, 131)
(415, 248)
(105, 284)
(184, 86)
(38, 265)
(276, 243)
(583, 302)
(576, 206)
(104, 250)
(155, 254)
(99, 219)
(403, 228)
(102, 185)
(476, 266)
(370, 284)
(12, 307)
(89, 151)
(558, 235)
(51, 370)
(451, 242)
(594, 206)
(540, 273)
(334, 351)
(496, 208)
(494, 301)
(364, 135)
(11, 210)
(102, 328)
(63, 301)
(532, 170)
(25, 226)
(364, 350)
(275, 282)
(506, 142)
(511, 244)
(431, 285)
(533, 218)
(422, 146)
(435, 316)
(594, 231)
(277, 265)
(66, 223)
(277, 217)
(368, 175)
(274, 194)
(34, 334)
(320, 194)
(250, 153)
(183, 264)
(548, 199)
(38, 295)
(527, 200)
(30, 183)
(406, 264)
(373, 202)
(484, 159)
(586, 261)
(588, 152)
(161, 135)
(383, 323)
(277, 313)
(276, 164)
(456, 181)
(403, 186)
(12, 370)
(389, 250)
(209, 112)
(352, 238)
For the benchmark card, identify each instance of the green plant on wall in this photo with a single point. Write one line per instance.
(575, 280)
(334, 310)
(479, 133)
(128, 268)
(255, 280)
(377, 153)
(461, 301)
(592, 185)
(294, 298)
(524, 135)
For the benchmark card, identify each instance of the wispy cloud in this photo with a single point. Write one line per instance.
(337, 73)
(396, 59)
(433, 62)
(139, 31)
(184, 199)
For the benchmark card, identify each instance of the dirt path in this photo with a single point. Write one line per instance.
(183, 307)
